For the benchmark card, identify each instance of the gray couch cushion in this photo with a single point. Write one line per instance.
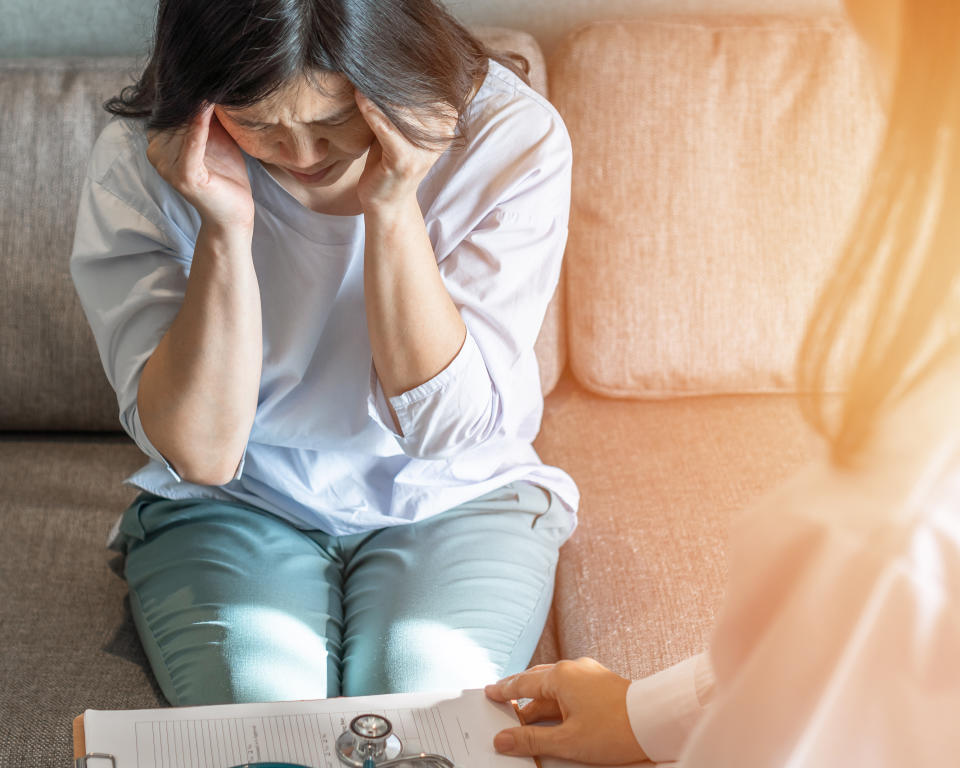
(68, 641)
(50, 377)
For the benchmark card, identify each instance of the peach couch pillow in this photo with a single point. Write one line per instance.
(717, 163)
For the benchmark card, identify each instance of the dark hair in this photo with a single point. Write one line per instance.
(400, 53)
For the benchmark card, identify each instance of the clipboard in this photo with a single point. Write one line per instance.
(519, 712)
(80, 754)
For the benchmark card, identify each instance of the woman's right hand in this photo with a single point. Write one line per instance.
(205, 165)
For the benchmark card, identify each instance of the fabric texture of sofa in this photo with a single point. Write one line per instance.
(716, 162)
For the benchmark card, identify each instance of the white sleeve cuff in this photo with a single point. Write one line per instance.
(377, 406)
(139, 436)
(455, 409)
(664, 708)
(455, 370)
(243, 460)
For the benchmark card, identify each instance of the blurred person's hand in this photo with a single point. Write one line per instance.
(587, 704)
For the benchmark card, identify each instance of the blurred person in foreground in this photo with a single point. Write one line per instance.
(837, 643)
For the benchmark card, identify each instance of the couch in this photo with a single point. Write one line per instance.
(717, 160)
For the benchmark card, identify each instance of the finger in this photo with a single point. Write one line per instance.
(163, 148)
(161, 139)
(540, 709)
(374, 153)
(216, 131)
(539, 668)
(525, 685)
(531, 740)
(194, 145)
(391, 140)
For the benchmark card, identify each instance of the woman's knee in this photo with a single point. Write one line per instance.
(430, 654)
(242, 654)
(417, 655)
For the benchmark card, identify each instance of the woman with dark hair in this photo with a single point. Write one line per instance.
(316, 246)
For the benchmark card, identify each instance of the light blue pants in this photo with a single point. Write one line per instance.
(234, 604)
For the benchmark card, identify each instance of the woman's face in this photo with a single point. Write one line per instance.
(878, 24)
(314, 136)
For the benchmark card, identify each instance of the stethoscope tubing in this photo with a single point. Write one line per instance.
(424, 758)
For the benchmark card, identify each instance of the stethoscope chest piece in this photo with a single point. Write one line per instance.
(368, 741)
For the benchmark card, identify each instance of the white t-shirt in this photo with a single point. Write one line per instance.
(324, 452)
(839, 640)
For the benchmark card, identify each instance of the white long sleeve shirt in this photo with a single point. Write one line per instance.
(324, 451)
(839, 640)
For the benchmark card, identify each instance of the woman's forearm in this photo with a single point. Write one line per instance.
(198, 392)
(415, 328)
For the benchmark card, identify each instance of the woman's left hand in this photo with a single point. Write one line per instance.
(395, 167)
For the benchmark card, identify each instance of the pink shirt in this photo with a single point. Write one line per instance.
(839, 639)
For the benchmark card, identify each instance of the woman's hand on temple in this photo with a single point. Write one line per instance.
(205, 165)
(587, 700)
(395, 166)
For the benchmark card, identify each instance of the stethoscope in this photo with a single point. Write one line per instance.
(369, 742)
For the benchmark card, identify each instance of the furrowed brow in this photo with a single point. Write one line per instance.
(338, 116)
(334, 118)
(248, 123)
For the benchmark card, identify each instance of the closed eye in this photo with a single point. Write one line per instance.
(341, 117)
(322, 123)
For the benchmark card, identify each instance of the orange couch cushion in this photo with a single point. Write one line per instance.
(640, 582)
(717, 162)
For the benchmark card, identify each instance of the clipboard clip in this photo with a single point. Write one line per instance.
(81, 762)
